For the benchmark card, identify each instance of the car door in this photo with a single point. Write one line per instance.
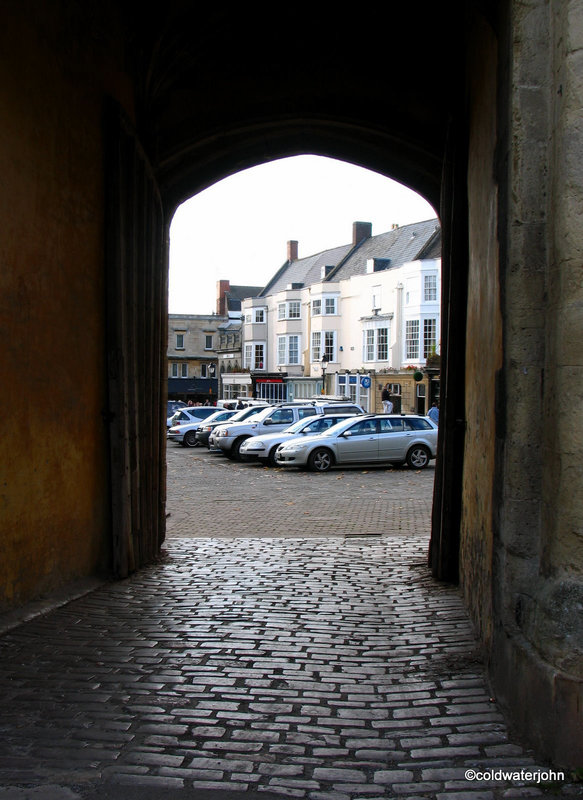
(394, 438)
(280, 419)
(359, 443)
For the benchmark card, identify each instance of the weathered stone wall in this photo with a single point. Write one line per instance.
(537, 595)
(54, 504)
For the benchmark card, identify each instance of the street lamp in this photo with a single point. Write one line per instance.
(324, 364)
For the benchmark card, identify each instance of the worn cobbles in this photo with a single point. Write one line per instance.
(318, 667)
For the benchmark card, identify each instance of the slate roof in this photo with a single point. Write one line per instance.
(400, 245)
(305, 270)
(235, 294)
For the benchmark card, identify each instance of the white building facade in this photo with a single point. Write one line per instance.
(351, 335)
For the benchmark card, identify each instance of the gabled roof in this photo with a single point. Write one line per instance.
(305, 270)
(400, 246)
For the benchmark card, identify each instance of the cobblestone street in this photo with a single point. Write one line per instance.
(289, 643)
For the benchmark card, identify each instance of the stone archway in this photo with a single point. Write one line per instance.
(475, 105)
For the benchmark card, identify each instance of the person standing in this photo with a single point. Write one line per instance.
(433, 413)
(386, 399)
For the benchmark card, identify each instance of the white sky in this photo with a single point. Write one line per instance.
(238, 229)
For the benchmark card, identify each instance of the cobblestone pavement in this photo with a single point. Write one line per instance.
(261, 501)
(274, 653)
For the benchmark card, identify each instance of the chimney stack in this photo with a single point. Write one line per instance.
(360, 231)
(222, 288)
(292, 250)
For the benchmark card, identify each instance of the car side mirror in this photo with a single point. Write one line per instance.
(346, 435)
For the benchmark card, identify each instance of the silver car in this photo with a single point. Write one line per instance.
(372, 439)
(263, 447)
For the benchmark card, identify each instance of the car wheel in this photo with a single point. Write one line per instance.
(189, 439)
(418, 457)
(271, 457)
(320, 460)
(235, 453)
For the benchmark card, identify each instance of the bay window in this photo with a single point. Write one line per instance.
(411, 339)
(288, 350)
(254, 356)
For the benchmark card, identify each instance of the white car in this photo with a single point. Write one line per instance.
(263, 447)
(187, 419)
(370, 439)
(239, 416)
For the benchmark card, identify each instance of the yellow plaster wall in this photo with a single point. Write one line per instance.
(54, 507)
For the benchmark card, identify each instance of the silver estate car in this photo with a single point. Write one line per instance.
(263, 448)
(371, 439)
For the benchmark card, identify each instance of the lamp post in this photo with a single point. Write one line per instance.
(324, 364)
(212, 375)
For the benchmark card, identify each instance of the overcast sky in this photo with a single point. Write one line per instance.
(238, 229)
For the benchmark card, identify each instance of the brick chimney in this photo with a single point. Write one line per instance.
(360, 231)
(222, 288)
(292, 250)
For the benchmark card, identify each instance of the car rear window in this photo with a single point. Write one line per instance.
(341, 410)
(306, 412)
(417, 425)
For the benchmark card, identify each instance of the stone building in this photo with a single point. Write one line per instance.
(233, 382)
(114, 114)
(192, 357)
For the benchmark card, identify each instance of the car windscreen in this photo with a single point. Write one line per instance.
(334, 430)
(220, 416)
(246, 413)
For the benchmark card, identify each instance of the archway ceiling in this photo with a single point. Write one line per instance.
(226, 88)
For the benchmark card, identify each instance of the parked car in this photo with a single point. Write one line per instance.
(239, 416)
(187, 419)
(262, 448)
(372, 439)
(172, 407)
(231, 436)
(203, 430)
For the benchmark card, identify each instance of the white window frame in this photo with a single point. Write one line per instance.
(429, 342)
(372, 343)
(316, 307)
(179, 369)
(430, 288)
(287, 353)
(252, 359)
(180, 341)
(412, 350)
(316, 346)
(334, 309)
(208, 346)
(284, 310)
(260, 315)
(329, 347)
(327, 344)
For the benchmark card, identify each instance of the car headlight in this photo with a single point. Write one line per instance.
(224, 432)
(292, 448)
(253, 444)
